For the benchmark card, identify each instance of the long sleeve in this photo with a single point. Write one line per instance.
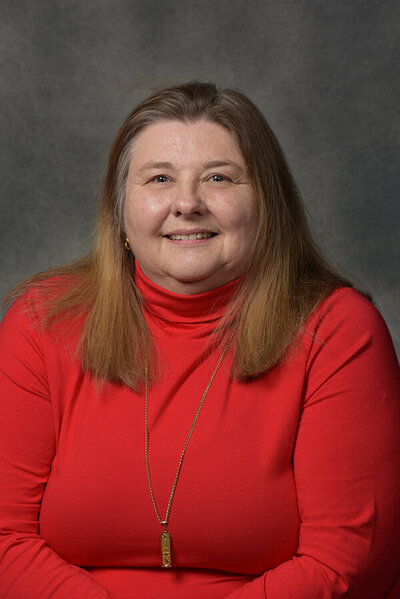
(346, 465)
(309, 452)
(29, 568)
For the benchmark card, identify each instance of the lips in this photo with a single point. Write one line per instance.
(189, 235)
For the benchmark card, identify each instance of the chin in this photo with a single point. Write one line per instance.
(203, 281)
(196, 276)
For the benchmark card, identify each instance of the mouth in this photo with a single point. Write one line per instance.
(190, 236)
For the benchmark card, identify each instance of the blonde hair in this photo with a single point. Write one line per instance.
(286, 278)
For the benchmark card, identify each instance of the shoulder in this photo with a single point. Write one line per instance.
(348, 309)
(347, 329)
(21, 348)
(30, 308)
(24, 309)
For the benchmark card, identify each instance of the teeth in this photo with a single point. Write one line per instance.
(190, 236)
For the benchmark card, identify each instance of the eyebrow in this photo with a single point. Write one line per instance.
(151, 165)
(167, 165)
(216, 163)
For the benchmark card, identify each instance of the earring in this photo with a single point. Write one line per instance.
(127, 244)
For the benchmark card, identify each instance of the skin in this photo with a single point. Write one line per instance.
(189, 178)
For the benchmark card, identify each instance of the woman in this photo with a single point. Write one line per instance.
(201, 407)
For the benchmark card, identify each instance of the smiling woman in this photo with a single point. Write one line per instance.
(191, 227)
(202, 407)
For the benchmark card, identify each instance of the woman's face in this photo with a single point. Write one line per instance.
(190, 212)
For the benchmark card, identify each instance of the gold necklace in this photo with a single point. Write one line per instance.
(166, 560)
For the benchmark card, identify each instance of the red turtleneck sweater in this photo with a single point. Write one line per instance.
(289, 489)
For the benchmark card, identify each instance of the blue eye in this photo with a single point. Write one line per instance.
(218, 178)
(160, 179)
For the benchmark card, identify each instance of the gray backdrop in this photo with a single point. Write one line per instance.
(325, 73)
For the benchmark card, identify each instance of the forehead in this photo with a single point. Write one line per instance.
(180, 141)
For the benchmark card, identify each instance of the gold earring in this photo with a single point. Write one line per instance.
(127, 244)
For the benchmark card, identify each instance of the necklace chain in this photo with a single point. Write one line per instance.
(164, 522)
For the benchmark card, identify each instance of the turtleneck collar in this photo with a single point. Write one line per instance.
(178, 309)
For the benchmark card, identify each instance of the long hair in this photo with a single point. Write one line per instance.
(286, 278)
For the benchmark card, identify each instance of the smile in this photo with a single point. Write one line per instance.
(190, 236)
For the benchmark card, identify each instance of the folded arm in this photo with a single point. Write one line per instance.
(29, 568)
(346, 465)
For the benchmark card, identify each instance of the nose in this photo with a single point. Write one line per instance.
(187, 201)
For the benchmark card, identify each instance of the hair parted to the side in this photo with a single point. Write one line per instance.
(286, 278)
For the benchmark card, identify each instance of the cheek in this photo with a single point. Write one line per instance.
(239, 216)
(143, 214)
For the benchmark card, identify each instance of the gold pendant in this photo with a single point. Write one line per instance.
(166, 549)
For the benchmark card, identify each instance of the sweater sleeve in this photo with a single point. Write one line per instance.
(346, 464)
(29, 568)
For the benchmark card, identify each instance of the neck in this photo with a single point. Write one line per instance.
(186, 287)
(185, 311)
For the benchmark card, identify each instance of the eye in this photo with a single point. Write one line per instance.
(219, 178)
(160, 179)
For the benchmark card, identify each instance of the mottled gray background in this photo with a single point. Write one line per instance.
(325, 73)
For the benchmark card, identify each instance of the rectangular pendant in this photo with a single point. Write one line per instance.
(166, 550)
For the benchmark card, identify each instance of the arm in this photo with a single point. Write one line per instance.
(346, 464)
(29, 568)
